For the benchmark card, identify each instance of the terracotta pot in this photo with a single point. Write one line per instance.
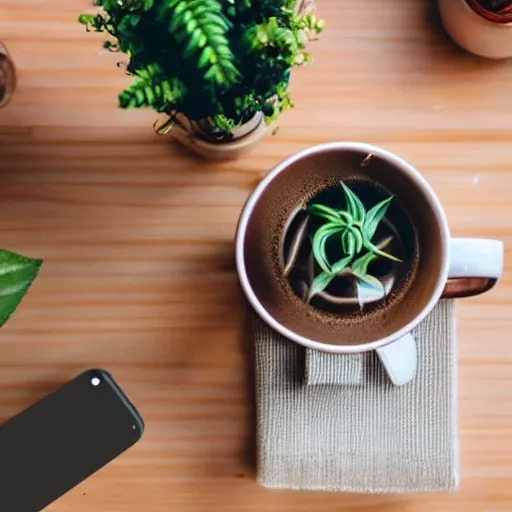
(245, 138)
(482, 35)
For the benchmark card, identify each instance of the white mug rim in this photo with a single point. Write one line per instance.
(267, 180)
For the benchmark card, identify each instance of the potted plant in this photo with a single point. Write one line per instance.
(7, 76)
(333, 254)
(217, 71)
(483, 27)
(338, 244)
(16, 275)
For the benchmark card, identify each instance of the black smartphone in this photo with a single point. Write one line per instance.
(61, 440)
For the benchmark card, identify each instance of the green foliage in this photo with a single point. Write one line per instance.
(16, 275)
(355, 227)
(221, 60)
(151, 89)
(222, 123)
(202, 28)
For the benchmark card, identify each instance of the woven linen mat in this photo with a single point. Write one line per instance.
(366, 437)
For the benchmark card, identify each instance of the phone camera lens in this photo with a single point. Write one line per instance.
(95, 381)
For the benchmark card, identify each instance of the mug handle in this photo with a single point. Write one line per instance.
(400, 359)
(476, 264)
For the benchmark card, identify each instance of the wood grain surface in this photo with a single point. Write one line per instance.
(137, 238)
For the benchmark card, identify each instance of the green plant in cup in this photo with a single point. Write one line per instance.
(354, 227)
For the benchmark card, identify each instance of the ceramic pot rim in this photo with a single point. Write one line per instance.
(491, 16)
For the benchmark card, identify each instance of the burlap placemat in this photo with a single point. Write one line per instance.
(371, 437)
(326, 368)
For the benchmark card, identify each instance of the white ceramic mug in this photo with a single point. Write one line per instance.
(448, 268)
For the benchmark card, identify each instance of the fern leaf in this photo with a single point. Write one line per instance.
(150, 89)
(202, 27)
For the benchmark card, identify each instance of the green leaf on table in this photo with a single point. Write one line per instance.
(16, 275)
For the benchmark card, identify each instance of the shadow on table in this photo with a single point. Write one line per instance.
(248, 349)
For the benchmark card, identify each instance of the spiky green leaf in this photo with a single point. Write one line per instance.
(355, 207)
(370, 280)
(358, 237)
(328, 213)
(320, 283)
(360, 265)
(374, 217)
(372, 248)
(319, 244)
(348, 243)
(341, 265)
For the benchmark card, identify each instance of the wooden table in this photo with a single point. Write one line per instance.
(137, 238)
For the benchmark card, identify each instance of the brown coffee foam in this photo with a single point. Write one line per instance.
(295, 185)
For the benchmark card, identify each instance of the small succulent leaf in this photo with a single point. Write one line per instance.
(361, 264)
(327, 213)
(370, 280)
(340, 265)
(351, 243)
(374, 216)
(319, 241)
(345, 216)
(323, 250)
(368, 245)
(16, 275)
(328, 233)
(344, 242)
(354, 205)
(320, 283)
(358, 237)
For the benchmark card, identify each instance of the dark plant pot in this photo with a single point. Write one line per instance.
(476, 30)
